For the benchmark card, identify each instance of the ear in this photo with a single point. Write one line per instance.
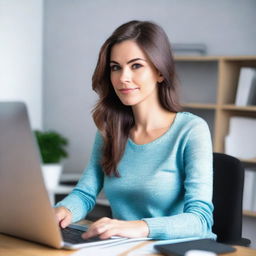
(160, 78)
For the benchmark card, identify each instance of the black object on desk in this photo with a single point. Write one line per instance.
(179, 249)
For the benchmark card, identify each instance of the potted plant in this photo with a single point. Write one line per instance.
(52, 146)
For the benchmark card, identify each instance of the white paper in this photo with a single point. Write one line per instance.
(241, 139)
(110, 249)
(117, 249)
(254, 192)
(245, 83)
(249, 184)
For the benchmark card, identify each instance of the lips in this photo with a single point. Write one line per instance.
(128, 90)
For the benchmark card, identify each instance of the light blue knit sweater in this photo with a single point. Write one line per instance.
(167, 182)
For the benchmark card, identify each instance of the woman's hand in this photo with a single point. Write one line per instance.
(63, 216)
(106, 228)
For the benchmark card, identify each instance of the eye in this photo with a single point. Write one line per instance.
(136, 66)
(114, 67)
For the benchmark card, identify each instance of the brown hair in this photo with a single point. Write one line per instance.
(112, 118)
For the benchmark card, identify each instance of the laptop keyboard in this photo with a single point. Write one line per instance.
(73, 236)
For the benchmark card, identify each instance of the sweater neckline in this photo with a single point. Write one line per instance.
(159, 139)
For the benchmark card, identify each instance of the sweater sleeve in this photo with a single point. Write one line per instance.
(196, 219)
(83, 197)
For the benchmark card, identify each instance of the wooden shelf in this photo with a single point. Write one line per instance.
(239, 58)
(214, 58)
(249, 161)
(223, 107)
(249, 213)
(239, 108)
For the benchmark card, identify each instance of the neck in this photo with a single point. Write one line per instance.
(150, 116)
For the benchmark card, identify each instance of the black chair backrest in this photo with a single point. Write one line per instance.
(228, 184)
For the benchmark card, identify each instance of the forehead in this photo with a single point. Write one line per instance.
(126, 51)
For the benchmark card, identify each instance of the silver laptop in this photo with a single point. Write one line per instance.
(25, 209)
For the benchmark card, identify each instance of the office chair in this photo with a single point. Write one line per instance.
(228, 184)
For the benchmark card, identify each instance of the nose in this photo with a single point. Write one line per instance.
(125, 75)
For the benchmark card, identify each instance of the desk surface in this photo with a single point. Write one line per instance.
(10, 246)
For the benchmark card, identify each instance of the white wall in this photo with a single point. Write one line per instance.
(21, 54)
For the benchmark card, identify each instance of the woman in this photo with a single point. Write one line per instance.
(154, 162)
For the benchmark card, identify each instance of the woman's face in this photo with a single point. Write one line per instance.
(133, 76)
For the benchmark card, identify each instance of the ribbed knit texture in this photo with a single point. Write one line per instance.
(167, 182)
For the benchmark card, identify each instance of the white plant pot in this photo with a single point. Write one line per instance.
(51, 174)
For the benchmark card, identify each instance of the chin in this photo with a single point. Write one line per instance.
(129, 102)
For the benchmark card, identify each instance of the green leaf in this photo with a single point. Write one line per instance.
(52, 146)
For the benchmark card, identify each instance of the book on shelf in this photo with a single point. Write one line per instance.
(249, 197)
(241, 140)
(246, 88)
(254, 193)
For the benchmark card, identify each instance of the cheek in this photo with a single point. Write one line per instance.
(114, 80)
(147, 78)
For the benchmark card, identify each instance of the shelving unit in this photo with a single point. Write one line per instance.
(249, 213)
(208, 89)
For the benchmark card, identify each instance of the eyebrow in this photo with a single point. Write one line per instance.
(130, 61)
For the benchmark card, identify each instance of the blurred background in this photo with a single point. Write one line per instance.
(49, 49)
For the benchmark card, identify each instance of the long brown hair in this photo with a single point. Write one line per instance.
(114, 119)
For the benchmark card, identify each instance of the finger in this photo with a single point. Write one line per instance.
(93, 232)
(60, 214)
(99, 223)
(63, 216)
(109, 234)
(65, 222)
(96, 230)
